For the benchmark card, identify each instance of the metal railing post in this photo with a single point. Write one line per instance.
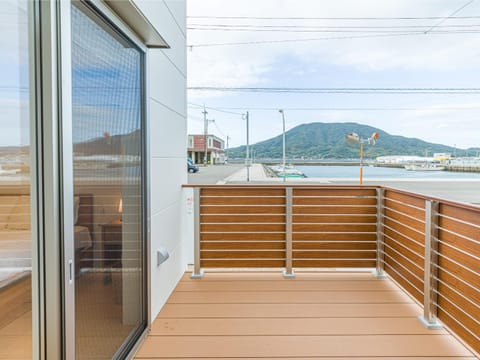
(379, 272)
(429, 318)
(288, 272)
(197, 271)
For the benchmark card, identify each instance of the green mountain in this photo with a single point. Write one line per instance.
(327, 141)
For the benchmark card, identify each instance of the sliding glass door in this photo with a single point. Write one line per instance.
(17, 243)
(108, 177)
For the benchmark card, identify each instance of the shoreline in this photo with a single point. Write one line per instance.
(465, 190)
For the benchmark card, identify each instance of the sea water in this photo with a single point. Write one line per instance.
(345, 172)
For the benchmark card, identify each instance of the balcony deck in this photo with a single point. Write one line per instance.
(323, 315)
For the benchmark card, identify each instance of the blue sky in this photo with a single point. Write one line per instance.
(448, 60)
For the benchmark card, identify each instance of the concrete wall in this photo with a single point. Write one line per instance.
(166, 72)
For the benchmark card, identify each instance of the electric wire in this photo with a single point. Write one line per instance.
(214, 109)
(446, 18)
(425, 108)
(459, 31)
(282, 41)
(375, 18)
(385, 90)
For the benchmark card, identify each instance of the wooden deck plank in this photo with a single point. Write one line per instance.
(277, 276)
(285, 297)
(291, 346)
(297, 285)
(291, 326)
(321, 315)
(288, 310)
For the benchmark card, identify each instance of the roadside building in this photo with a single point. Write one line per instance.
(215, 149)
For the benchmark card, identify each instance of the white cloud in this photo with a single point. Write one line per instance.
(432, 60)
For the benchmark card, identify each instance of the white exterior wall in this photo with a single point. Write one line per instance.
(167, 109)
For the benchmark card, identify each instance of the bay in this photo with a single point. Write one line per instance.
(352, 172)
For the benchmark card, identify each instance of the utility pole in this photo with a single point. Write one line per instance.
(205, 134)
(226, 150)
(247, 157)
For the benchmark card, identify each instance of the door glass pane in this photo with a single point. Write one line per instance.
(107, 160)
(15, 227)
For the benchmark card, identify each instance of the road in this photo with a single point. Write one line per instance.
(213, 173)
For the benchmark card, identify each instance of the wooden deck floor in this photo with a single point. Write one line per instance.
(335, 316)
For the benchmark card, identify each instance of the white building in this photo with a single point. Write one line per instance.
(93, 113)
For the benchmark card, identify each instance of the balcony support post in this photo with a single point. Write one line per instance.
(379, 272)
(288, 272)
(197, 271)
(429, 318)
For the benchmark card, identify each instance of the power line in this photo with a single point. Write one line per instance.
(215, 109)
(333, 18)
(339, 90)
(218, 129)
(450, 108)
(470, 31)
(330, 29)
(222, 26)
(448, 17)
(191, 46)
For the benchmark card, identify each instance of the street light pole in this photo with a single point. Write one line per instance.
(353, 138)
(283, 156)
(247, 160)
(361, 162)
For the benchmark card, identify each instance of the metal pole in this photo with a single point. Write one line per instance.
(429, 319)
(380, 273)
(288, 272)
(226, 150)
(283, 155)
(247, 161)
(205, 134)
(361, 162)
(197, 271)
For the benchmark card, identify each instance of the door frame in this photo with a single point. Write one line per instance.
(51, 29)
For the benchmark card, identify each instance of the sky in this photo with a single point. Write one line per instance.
(434, 50)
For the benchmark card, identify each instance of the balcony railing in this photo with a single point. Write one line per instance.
(429, 246)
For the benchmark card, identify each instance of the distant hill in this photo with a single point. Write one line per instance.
(327, 141)
(125, 144)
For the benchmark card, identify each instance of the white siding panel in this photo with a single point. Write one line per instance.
(167, 85)
(167, 177)
(166, 72)
(165, 278)
(167, 132)
(168, 26)
(178, 8)
(167, 227)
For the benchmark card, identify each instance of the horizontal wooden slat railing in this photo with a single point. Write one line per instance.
(430, 247)
(334, 227)
(242, 227)
(285, 227)
(403, 239)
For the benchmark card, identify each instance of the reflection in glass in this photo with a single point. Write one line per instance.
(15, 228)
(107, 146)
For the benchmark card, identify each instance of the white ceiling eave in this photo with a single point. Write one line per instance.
(138, 22)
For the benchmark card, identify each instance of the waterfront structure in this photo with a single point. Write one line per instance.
(401, 159)
(215, 149)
